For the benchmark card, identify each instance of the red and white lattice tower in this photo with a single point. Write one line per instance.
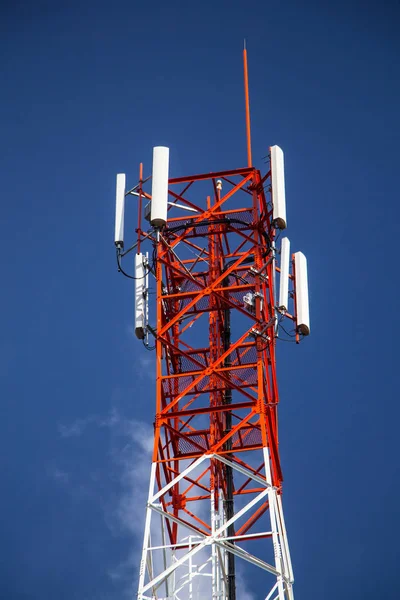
(214, 498)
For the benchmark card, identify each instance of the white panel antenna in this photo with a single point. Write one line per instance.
(141, 303)
(301, 284)
(159, 193)
(284, 277)
(278, 187)
(120, 210)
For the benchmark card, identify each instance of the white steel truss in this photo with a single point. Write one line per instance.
(195, 567)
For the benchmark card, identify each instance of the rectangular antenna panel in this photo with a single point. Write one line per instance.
(301, 284)
(119, 210)
(278, 187)
(284, 278)
(140, 297)
(159, 192)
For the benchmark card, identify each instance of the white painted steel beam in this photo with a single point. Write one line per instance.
(175, 570)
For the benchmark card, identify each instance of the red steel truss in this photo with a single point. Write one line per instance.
(206, 264)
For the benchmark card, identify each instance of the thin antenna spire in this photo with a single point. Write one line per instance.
(247, 104)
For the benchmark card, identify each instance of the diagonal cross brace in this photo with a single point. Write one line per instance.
(207, 541)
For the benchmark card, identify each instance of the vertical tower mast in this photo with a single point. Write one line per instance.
(247, 105)
(215, 484)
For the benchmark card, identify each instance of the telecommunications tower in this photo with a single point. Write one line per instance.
(209, 246)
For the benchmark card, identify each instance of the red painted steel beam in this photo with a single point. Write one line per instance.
(212, 175)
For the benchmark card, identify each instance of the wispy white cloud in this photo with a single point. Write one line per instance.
(134, 461)
(131, 449)
(130, 330)
(79, 426)
(242, 590)
(59, 475)
(131, 445)
(146, 367)
(75, 429)
(144, 361)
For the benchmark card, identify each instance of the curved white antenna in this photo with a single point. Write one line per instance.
(301, 284)
(120, 210)
(159, 192)
(284, 278)
(140, 297)
(278, 187)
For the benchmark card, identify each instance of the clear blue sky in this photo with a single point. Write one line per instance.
(87, 90)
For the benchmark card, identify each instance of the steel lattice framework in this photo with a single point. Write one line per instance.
(215, 486)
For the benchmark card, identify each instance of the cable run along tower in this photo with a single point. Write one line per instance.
(224, 287)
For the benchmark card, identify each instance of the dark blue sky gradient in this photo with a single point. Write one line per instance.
(87, 90)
